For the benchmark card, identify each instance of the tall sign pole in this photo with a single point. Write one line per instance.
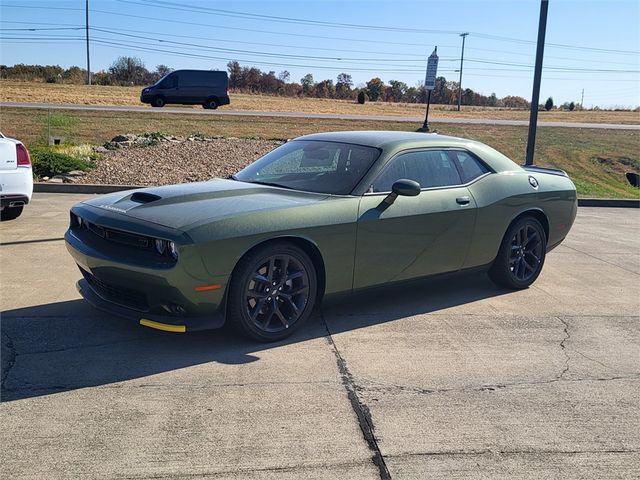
(537, 76)
(87, 34)
(464, 36)
(429, 85)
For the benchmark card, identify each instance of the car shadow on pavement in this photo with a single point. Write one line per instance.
(69, 345)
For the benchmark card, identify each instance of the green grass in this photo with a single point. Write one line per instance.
(595, 159)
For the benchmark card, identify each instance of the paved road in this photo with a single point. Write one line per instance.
(442, 380)
(382, 118)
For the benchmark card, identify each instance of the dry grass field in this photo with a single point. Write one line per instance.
(596, 159)
(11, 91)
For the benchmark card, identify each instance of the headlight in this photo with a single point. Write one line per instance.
(173, 250)
(160, 245)
(79, 221)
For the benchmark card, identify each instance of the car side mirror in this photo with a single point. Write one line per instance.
(402, 187)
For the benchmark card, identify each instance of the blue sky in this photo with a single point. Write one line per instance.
(591, 44)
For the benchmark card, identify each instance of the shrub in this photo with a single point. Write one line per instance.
(361, 97)
(47, 161)
(548, 105)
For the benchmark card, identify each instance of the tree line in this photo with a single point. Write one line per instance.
(132, 71)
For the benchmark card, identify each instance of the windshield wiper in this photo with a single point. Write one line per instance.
(270, 184)
(233, 177)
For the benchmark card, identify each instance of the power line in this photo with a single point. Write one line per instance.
(269, 54)
(211, 57)
(419, 57)
(478, 34)
(280, 19)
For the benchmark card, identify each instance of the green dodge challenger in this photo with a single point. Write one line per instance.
(320, 215)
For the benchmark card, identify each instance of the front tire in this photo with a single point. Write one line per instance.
(158, 102)
(10, 213)
(272, 292)
(521, 255)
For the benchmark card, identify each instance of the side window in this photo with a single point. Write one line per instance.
(470, 166)
(169, 82)
(430, 168)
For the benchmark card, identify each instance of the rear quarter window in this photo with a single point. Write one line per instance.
(470, 166)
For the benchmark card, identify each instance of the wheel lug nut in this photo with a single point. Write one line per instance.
(269, 298)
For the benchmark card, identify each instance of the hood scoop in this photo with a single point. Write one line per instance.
(144, 197)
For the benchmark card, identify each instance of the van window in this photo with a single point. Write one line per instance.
(170, 82)
(196, 79)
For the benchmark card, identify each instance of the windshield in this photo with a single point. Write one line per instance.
(312, 166)
(161, 79)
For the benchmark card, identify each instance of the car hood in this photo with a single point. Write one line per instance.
(185, 205)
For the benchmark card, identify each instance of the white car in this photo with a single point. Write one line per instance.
(16, 178)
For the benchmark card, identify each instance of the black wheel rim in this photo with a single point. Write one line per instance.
(277, 293)
(526, 253)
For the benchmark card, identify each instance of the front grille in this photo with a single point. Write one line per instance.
(122, 296)
(128, 238)
(112, 235)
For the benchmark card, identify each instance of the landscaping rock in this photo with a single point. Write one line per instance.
(176, 161)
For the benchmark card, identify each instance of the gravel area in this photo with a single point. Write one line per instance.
(176, 161)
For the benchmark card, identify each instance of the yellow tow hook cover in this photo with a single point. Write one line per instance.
(163, 326)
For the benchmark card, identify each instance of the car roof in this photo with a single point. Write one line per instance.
(386, 139)
(393, 141)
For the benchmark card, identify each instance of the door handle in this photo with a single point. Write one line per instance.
(463, 200)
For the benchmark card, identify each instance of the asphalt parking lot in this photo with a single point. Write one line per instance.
(449, 379)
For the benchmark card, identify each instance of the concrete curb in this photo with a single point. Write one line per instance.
(45, 187)
(42, 187)
(609, 202)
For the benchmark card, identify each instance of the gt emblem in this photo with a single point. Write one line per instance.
(533, 182)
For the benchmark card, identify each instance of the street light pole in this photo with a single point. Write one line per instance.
(537, 76)
(87, 35)
(464, 36)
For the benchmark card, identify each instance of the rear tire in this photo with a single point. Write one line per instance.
(521, 255)
(272, 292)
(210, 104)
(10, 213)
(158, 102)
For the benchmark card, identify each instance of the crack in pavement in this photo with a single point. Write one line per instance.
(225, 473)
(77, 347)
(360, 408)
(507, 452)
(126, 385)
(485, 388)
(601, 259)
(563, 346)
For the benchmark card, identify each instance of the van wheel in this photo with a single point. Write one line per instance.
(158, 102)
(211, 104)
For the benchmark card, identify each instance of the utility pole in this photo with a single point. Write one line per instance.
(87, 34)
(537, 76)
(464, 36)
(582, 99)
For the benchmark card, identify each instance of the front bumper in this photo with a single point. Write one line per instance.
(154, 297)
(159, 322)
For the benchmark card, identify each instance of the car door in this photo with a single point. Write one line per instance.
(414, 236)
(169, 88)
